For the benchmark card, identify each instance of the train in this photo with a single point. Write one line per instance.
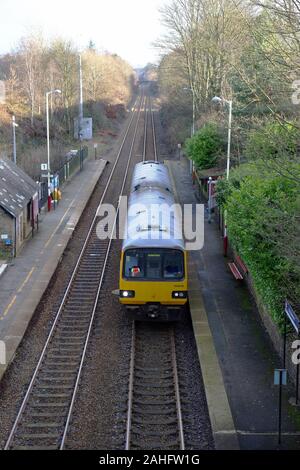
(153, 283)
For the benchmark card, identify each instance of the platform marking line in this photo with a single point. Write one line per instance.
(61, 221)
(8, 307)
(26, 280)
(258, 433)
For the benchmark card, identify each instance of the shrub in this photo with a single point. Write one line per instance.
(205, 147)
(263, 226)
(275, 140)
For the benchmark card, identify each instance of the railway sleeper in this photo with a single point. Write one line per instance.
(156, 422)
(50, 395)
(167, 375)
(35, 447)
(152, 393)
(155, 385)
(142, 366)
(50, 405)
(79, 337)
(42, 425)
(59, 372)
(46, 415)
(154, 402)
(55, 387)
(66, 347)
(144, 433)
(152, 412)
(41, 436)
(66, 344)
(157, 445)
(72, 318)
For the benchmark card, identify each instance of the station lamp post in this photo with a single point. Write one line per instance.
(14, 125)
(193, 119)
(48, 143)
(217, 99)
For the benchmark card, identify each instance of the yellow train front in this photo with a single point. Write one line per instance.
(153, 266)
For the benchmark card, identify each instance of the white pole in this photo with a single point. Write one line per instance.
(192, 165)
(14, 139)
(229, 139)
(48, 140)
(209, 198)
(227, 173)
(80, 117)
(194, 113)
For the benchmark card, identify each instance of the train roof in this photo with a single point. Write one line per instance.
(151, 174)
(152, 221)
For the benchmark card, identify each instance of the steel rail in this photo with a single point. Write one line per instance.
(153, 132)
(57, 317)
(131, 388)
(177, 392)
(99, 290)
(145, 129)
(130, 391)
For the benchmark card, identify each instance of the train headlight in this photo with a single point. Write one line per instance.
(127, 294)
(179, 294)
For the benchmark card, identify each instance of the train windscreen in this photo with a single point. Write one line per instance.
(153, 264)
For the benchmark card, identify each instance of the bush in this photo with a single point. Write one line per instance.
(273, 141)
(205, 147)
(263, 226)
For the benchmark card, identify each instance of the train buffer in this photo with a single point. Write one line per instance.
(238, 269)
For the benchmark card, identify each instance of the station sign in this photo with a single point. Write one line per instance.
(292, 316)
(280, 377)
(44, 166)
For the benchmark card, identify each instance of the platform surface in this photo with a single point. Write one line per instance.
(27, 276)
(227, 326)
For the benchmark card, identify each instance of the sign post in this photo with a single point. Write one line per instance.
(179, 151)
(95, 148)
(289, 313)
(280, 378)
(211, 194)
(297, 386)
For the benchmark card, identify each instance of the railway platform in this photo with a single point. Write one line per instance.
(27, 276)
(236, 355)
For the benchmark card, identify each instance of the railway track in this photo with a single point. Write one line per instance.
(153, 132)
(44, 416)
(149, 147)
(154, 418)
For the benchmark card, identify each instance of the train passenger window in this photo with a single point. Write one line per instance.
(153, 265)
(134, 264)
(173, 265)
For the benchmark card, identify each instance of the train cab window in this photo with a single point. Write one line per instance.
(134, 264)
(153, 265)
(173, 265)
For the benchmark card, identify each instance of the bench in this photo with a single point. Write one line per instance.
(238, 268)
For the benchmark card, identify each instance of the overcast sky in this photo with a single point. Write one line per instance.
(124, 27)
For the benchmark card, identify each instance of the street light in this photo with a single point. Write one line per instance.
(217, 99)
(14, 125)
(192, 166)
(48, 142)
(194, 109)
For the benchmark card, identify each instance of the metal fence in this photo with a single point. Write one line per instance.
(74, 164)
